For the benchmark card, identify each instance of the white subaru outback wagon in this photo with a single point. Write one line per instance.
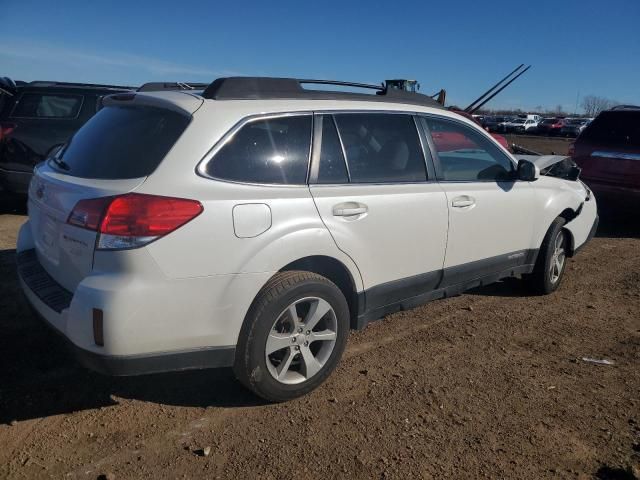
(252, 225)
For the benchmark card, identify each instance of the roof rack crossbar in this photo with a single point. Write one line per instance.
(159, 86)
(264, 88)
(341, 84)
(46, 83)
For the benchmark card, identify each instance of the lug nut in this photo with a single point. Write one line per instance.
(297, 347)
(300, 330)
(308, 332)
(306, 344)
(293, 340)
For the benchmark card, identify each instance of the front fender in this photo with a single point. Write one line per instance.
(553, 197)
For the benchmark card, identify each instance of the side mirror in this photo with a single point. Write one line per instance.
(527, 171)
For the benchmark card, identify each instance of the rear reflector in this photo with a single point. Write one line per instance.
(133, 219)
(98, 333)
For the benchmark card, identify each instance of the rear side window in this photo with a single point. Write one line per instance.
(121, 142)
(271, 150)
(36, 105)
(381, 148)
(466, 155)
(616, 128)
(332, 168)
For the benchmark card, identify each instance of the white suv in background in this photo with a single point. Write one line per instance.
(254, 224)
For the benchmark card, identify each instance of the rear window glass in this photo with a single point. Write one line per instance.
(121, 142)
(36, 105)
(614, 128)
(273, 150)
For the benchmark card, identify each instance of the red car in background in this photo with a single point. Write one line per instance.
(551, 126)
(608, 152)
(499, 138)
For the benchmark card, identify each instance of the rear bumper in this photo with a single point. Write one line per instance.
(15, 181)
(50, 301)
(128, 365)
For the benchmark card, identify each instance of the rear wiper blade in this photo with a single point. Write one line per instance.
(61, 163)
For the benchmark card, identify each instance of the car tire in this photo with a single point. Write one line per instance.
(552, 260)
(280, 357)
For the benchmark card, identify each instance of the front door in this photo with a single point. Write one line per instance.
(490, 212)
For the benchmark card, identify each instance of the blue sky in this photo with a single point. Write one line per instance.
(585, 47)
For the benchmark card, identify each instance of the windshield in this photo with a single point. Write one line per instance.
(121, 142)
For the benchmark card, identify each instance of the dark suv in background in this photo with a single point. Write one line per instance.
(608, 151)
(37, 117)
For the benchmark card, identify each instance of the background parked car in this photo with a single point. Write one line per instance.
(36, 118)
(608, 151)
(493, 124)
(521, 125)
(574, 126)
(550, 126)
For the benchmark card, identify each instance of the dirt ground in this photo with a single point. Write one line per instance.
(490, 384)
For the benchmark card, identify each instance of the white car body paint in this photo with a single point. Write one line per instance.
(192, 289)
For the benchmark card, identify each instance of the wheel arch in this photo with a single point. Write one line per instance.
(569, 214)
(335, 271)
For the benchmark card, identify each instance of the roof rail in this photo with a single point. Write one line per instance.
(45, 83)
(626, 107)
(158, 86)
(269, 88)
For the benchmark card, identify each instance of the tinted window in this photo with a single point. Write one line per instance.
(332, 168)
(381, 147)
(614, 128)
(274, 150)
(35, 105)
(467, 155)
(121, 142)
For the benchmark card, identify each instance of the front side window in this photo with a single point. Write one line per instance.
(271, 150)
(381, 148)
(466, 155)
(36, 105)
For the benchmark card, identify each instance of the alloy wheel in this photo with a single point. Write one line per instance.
(301, 340)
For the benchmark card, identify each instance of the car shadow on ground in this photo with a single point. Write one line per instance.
(618, 220)
(12, 204)
(40, 377)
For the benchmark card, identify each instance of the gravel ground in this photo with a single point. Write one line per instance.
(490, 384)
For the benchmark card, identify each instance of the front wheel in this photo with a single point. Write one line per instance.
(293, 337)
(552, 258)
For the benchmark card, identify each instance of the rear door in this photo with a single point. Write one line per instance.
(490, 213)
(382, 206)
(112, 154)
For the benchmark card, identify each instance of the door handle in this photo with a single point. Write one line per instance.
(463, 201)
(349, 209)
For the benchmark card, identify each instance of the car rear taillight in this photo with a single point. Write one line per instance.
(572, 149)
(6, 129)
(133, 220)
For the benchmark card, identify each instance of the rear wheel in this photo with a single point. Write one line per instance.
(293, 337)
(552, 259)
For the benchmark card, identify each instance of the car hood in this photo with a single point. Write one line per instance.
(542, 161)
